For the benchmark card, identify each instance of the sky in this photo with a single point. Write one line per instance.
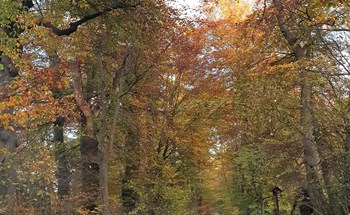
(191, 5)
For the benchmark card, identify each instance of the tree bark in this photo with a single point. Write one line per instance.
(311, 156)
(8, 141)
(334, 198)
(90, 172)
(104, 146)
(130, 197)
(63, 170)
(88, 144)
(275, 192)
(8, 138)
(346, 174)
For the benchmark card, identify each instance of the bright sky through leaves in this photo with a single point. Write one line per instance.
(188, 8)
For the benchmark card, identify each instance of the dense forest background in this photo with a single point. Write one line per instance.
(141, 107)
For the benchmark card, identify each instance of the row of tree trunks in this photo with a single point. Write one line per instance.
(91, 159)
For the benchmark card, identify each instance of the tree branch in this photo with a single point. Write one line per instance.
(281, 24)
(335, 29)
(73, 26)
(79, 98)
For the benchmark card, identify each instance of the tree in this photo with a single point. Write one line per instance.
(48, 15)
(260, 59)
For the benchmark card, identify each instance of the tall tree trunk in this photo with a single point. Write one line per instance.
(275, 193)
(104, 146)
(63, 170)
(334, 201)
(8, 141)
(311, 156)
(130, 198)
(88, 144)
(8, 138)
(346, 174)
(90, 171)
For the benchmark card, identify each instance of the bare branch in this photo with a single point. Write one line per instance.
(74, 25)
(335, 29)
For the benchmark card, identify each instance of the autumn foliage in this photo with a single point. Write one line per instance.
(136, 107)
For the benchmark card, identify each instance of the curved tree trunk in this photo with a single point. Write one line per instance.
(88, 145)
